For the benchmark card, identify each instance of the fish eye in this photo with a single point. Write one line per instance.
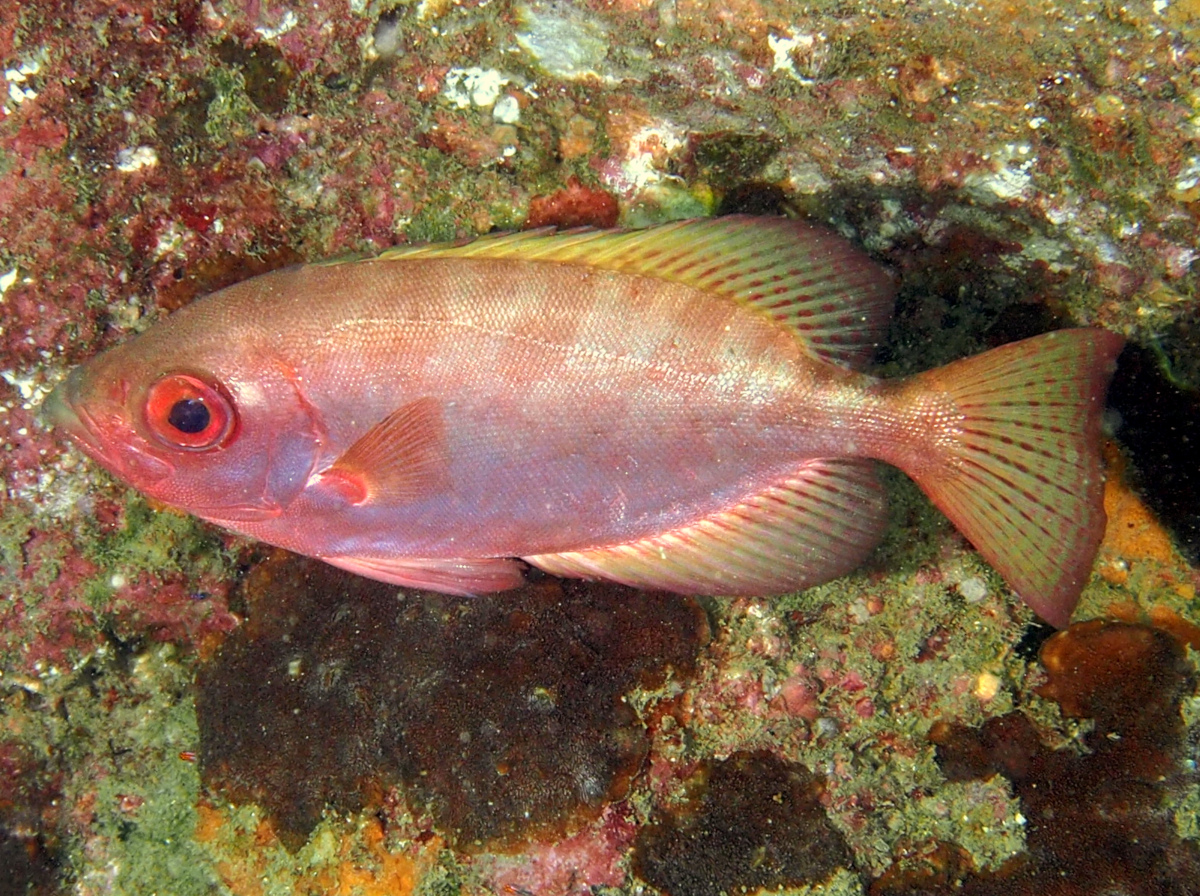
(184, 411)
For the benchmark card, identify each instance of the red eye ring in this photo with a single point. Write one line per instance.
(183, 411)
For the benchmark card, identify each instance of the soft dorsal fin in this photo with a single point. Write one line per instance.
(812, 281)
(400, 459)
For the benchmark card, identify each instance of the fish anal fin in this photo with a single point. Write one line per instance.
(818, 523)
(465, 577)
(400, 459)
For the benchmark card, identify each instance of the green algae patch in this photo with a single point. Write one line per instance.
(158, 542)
(15, 529)
(126, 746)
(266, 75)
(983, 817)
(230, 112)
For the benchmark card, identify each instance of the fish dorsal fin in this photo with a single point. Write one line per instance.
(812, 281)
(816, 524)
(400, 459)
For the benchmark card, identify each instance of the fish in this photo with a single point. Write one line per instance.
(682, 408)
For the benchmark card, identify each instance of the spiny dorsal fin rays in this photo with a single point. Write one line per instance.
(830, 294)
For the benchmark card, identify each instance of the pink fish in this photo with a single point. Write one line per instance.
(678, 408)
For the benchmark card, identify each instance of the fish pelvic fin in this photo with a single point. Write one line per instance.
(806, 278)
(818, 523)
(1011, 454)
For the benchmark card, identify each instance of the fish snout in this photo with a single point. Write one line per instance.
(101, 432)
(58, 411)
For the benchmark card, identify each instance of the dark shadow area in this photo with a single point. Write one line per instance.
(500, 716)
(1099, 820)
(1160, 430)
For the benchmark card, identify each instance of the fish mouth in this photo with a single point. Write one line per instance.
(62, 411)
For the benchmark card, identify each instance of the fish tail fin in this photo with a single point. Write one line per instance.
(1011, 455)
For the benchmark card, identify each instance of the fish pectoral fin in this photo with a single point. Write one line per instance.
(460, 576)
(401, 459)
(818, 523)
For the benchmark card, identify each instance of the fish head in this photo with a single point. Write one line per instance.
(199, 412)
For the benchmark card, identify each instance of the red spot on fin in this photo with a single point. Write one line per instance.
(400, 459)
(351, 485)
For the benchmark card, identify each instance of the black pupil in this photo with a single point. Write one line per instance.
(189, 415)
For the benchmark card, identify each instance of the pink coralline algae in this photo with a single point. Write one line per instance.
(593, 857)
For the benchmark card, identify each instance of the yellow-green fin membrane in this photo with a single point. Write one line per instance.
(817, 524)
(831, 295)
